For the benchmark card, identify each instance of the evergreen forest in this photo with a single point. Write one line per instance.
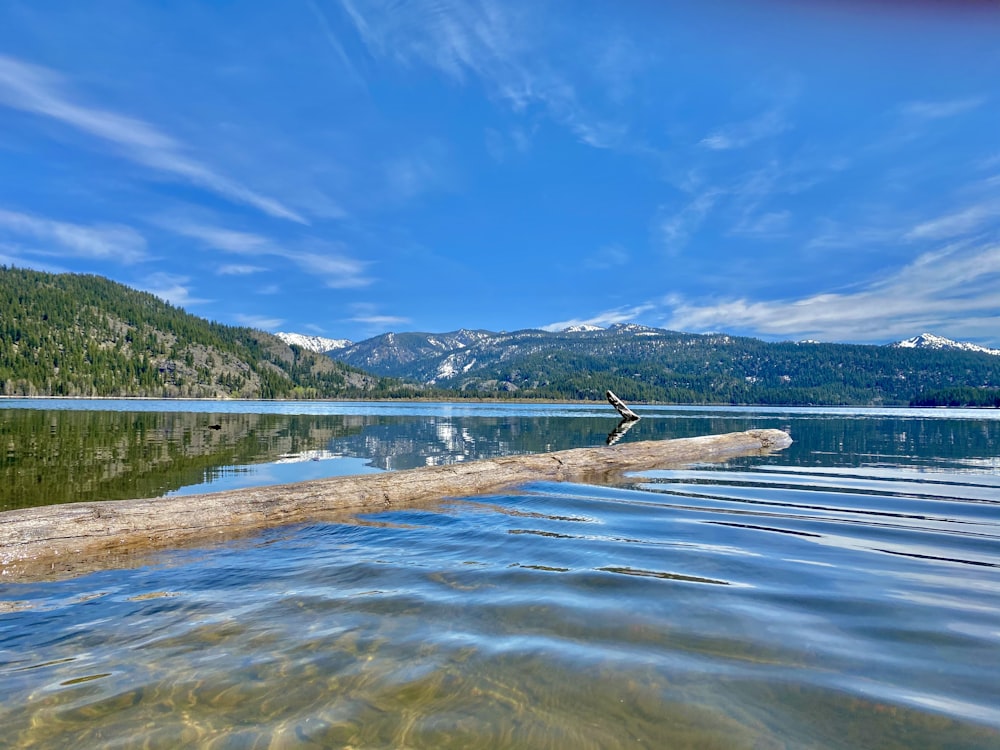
(82, 335)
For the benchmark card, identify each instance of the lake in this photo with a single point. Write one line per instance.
(841, 593)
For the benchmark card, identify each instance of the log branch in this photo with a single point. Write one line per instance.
(621, 407)
(72, 538)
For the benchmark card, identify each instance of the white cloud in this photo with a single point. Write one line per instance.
(235, 269)
(383, 321)
(337, 270)
(368, 313)
(957, 224)
(37, 90)
(12, 256)
(229, 240)
(171, 288)
(487, 41)
(259, 321)
(62, 239)
(956, 289)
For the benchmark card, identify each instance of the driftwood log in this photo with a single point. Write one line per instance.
(627, 414)
(77, 537)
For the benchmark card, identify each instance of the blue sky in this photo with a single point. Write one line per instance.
(789, 170)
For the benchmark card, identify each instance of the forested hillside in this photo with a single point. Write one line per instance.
(650, 364)
(75, 335)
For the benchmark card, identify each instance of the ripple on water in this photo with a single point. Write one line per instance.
(696, 609)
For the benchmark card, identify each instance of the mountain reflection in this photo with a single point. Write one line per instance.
(57, 456)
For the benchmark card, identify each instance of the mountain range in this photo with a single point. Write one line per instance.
(74, 335)
(322, 345)
(651, 364)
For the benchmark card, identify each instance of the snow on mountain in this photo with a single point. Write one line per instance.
(634, 329)
(582, 328)
(930, 341)
(313, 343)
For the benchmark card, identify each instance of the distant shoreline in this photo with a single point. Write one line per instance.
(477, 400)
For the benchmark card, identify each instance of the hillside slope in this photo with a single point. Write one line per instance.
(76, 335)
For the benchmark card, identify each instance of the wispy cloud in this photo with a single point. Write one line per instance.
(64, 239)
(382, 321)
(368, 314)
(607, 257)
(171, 288)
(259, 321)
(40, 91)
(769, 225)
(955, 291)
(236, 269)
(12, 256)
(938, 110)
(415, 174)
(502, 146)
(675, 228)
(740, 135)
(485, 41)
(956, 224)
(338, 270)
(603, 319)
(220, 238)
(841, 235)
(458, 38)
(331, 38)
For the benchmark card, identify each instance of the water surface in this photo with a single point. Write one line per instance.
(843, 593)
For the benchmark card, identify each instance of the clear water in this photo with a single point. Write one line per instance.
(844, 593)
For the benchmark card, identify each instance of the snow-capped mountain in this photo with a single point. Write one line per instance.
(313, 343)
(930, 341)
(582, 328)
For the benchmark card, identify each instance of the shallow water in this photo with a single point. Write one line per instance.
(844, 593)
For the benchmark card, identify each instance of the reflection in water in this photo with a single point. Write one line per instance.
(67, 455)
(621, 429)
(58, 456)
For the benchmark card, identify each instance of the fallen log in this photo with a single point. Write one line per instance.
(59, 539)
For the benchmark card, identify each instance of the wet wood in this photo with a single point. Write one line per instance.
(57, 537)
